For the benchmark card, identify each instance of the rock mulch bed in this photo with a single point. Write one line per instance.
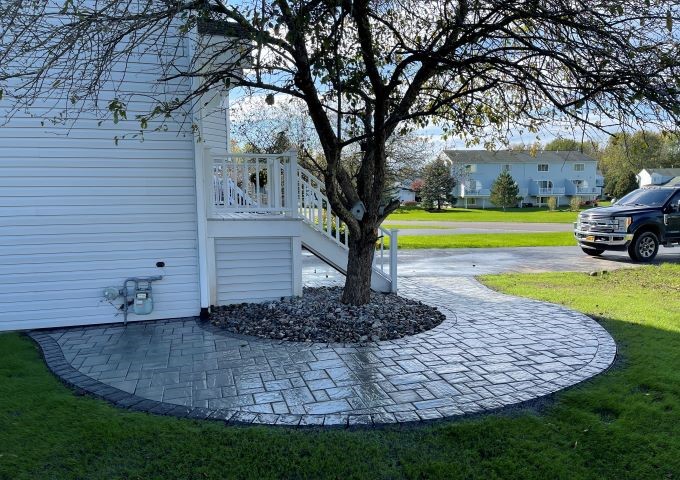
(319, 316)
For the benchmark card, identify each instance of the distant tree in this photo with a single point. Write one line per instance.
(438, 184)
(276, 143)
(504, 191)
(626, 154)
(562, 144)
(531, 148)
(417, 187)
(618, 183)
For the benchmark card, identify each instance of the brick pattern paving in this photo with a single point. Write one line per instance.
(492, 351)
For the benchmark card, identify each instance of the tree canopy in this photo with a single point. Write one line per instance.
(367, 70)
(588, 147)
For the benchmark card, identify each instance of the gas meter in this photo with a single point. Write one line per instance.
(143, 300)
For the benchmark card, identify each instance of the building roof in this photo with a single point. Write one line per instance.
(666, 172)
(673, 182)
(516, 156)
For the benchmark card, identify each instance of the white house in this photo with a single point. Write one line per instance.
(405, 192)
(539, 176)
(656, 176)
(80, 212)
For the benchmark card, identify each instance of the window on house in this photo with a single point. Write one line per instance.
(506, 167)
(579, 167)
(542, 167)
(470, 168)
(472, 201)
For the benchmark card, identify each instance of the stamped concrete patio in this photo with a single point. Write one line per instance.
(492, 351)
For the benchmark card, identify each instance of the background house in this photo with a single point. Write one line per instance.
(539, 176)
(405, 192)
(657, 176)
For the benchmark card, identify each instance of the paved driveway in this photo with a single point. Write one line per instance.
(455, 262)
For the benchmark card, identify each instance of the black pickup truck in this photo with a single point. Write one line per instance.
(639, 222)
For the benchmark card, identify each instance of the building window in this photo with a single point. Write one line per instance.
(579, 167)
(506, 167)
(472, 201)
(470, 168)
(542, 167)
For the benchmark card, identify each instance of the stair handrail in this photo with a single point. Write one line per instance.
(315, 209)
(229, 194)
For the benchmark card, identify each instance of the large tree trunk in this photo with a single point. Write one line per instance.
(357, 289)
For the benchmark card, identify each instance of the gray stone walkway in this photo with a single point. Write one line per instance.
(492, 351)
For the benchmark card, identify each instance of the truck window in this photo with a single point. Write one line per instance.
(654, 197)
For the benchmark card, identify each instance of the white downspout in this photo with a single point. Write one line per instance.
(201, 197)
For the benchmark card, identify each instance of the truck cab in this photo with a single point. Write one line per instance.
(639, 223)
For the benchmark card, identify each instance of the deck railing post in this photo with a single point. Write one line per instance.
(292, 185)
(393, 258)
(274, 182)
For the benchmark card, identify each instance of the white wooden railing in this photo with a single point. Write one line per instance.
(387, 263)
(476, 192)
(315, 209)
(551, 191)
(252, 183)
(275, 184)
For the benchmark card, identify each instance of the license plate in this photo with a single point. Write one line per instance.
(590, 238)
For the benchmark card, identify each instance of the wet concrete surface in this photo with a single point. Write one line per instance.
(455, 262)
(491, 351)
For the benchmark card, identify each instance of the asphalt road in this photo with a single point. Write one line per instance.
(478, 261)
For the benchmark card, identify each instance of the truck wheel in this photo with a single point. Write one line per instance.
(644, 247)
(593, 252)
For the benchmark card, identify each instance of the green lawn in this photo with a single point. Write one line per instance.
(484, 240)
(529, 215)
(624, 424)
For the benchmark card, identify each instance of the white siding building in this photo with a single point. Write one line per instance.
(539, 176)
(657, 176)
(80, 211)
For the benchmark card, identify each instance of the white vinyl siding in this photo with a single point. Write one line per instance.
(253, 269)
(79, 213)
(214, 122)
